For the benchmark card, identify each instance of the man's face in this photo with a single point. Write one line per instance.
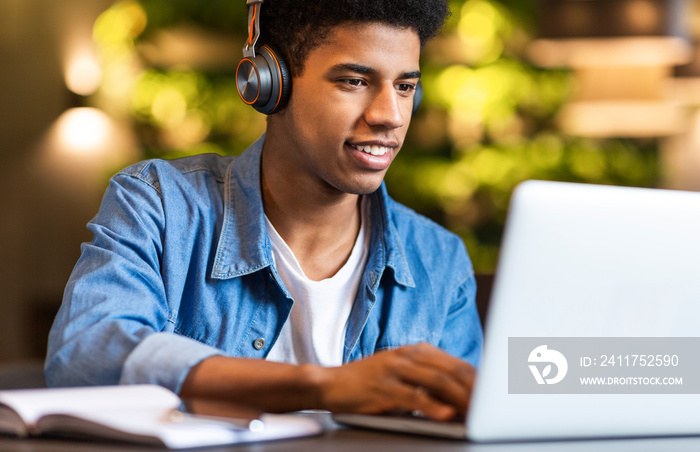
(350, 109)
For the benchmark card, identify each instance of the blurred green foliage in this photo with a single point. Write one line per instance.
(486, 123)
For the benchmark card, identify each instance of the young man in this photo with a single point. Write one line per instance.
(286, 278)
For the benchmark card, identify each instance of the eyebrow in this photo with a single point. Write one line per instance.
(361, 69)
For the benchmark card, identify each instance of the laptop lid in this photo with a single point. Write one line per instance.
(594, 318)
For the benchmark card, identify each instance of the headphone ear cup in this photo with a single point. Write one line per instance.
(264, 81)
(281, 74)
(417, 97)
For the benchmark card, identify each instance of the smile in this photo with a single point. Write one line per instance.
(374, 150)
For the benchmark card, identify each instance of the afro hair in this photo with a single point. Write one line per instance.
(294, 27)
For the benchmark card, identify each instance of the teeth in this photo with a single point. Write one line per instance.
(374, 150)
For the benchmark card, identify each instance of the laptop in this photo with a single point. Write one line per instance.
(593, 328)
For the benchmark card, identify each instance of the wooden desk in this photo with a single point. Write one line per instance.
(340, 439)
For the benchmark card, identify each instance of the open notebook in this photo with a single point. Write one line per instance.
(593, 325)
(141, 414)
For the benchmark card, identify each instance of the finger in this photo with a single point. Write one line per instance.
(439, 386)
(432, 355)
(416, 399)
(433, 358)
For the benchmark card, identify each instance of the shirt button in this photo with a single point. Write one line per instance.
(259, 343)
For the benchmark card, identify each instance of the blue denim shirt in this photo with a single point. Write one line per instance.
(180, 268)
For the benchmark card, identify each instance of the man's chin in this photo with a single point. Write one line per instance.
(365, 188)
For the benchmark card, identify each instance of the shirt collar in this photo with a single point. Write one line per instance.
(386, 249)
(243, 243)
(244, 246)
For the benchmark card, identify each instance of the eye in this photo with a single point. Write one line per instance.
(353, 82)
(405, 87)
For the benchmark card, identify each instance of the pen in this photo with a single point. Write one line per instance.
(253, 425)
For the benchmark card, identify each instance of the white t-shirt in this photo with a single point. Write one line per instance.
(315, 330)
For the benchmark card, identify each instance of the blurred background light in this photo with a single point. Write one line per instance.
(610, 52)
(83, 131)
(622, 118)
(622, 53)
(83, 148)
(83, 74)
(562, 19)
(190, 46)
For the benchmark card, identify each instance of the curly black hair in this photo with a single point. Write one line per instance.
(294, 27)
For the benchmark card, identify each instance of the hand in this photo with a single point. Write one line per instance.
(416, 377)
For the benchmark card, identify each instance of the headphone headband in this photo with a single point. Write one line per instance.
(253, 27)
(262, 78)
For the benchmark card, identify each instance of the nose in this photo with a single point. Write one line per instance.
(385, 108)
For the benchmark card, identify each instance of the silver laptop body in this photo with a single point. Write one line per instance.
(596, 302)
(602, 275)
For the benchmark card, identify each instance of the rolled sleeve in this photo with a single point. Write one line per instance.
(164, 359)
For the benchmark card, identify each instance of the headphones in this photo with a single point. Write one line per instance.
(263, 81)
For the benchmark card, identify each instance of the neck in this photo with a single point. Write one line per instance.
(319, 224)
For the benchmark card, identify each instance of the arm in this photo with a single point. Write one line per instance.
(418, 377)
(114, 322)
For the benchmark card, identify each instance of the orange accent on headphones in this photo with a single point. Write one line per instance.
(257, 94)
(252, 25)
